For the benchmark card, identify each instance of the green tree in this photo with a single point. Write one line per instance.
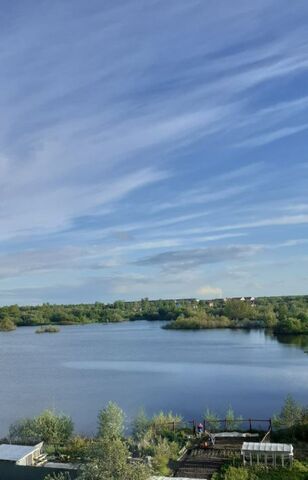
(211, 420)
(141, 425)
(270, 318)
(77, 448)
(110, 461)
(24, 432)
(232, 422)
(291, 414)
(165, 421)
(238, 310)
(7, 325)
(163, 451)
(52, 428)
(111, 421)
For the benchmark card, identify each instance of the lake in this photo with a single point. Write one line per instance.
(138, 364)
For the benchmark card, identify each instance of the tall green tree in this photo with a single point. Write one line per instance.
(111, 421)
(211, 420)
(232, 422)
(141, 425)
(290, 415)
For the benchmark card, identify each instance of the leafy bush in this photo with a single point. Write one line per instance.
(7, 325)
(77, 448)
(163, 452)
(299, 471)
(52, 428)
(162, 421)
(198, 322)
(58, 476)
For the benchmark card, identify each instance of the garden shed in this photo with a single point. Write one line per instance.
(270, 454)
(20, 454)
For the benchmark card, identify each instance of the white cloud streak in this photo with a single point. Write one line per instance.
(100, 122)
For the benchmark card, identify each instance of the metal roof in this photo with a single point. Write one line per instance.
(171, 478)
(267, 447)
(65, 466)
(13, 453)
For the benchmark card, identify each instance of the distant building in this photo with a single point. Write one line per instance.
(250, 300)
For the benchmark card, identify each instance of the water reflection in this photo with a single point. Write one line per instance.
(139, 364)
(299, 341)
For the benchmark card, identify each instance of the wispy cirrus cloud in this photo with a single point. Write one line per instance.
(267, 222)
(268, 137)
(280, 220)
(63, 202)
(113, 146)
(179, 259)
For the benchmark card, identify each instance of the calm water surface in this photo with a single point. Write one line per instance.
(139, 364)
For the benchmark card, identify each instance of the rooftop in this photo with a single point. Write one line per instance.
(172, 478)
(66, 466)
(13, 453)
(267, 447)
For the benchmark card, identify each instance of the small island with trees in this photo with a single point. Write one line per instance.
(47, 329)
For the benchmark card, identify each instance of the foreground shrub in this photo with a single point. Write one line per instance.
(110, 460)
(299, 471)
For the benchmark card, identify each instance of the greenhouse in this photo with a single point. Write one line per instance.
(269, 454)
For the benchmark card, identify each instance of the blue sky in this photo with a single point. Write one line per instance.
(153, 149)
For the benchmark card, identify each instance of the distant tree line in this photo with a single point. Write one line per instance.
(282, 315)
(46, 314)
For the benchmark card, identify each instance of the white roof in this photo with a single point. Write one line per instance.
(171, 478)
(13, 453)
(267, 447)
(67, 466)
(234, 434)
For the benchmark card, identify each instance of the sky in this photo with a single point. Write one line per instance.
(152, 149)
